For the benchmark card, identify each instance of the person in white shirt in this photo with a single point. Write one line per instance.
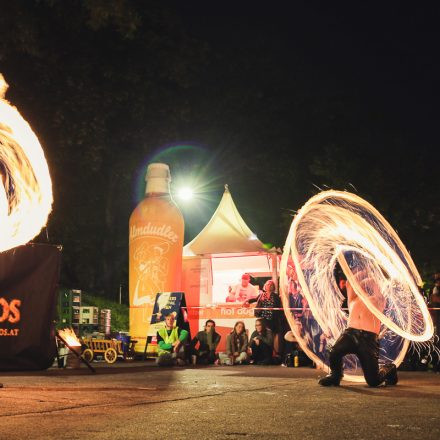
(245, 290)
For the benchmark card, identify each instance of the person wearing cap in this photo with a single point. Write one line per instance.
(245, 290)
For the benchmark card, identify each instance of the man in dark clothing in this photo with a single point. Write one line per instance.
(208, 340)
(261, 344)
(361, 338)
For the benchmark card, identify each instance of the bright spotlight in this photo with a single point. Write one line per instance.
(185, 194)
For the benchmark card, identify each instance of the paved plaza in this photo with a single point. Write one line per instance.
(140, 401)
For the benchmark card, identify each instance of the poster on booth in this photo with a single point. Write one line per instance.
(28, 285)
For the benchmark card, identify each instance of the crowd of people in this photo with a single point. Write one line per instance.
(271, 342)
(175, 349)
(264, 345)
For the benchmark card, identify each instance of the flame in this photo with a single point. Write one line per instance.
(25, 185)
(339, 227)
(70, 337)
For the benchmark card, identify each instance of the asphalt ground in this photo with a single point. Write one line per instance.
(141, 401)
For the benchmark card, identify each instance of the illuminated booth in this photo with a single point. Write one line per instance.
(217, 258)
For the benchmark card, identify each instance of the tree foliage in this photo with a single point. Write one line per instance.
(105, 83)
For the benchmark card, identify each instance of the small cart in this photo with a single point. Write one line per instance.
(111, 349)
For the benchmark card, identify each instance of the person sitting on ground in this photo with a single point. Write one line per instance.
(170, 344)
(208, 340)
(236, 346)
(261, 344)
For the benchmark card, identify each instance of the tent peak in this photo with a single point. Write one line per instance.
(226, 232)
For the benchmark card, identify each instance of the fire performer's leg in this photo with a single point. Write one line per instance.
(344, 345)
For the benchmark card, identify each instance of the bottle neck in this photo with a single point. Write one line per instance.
(157, 185)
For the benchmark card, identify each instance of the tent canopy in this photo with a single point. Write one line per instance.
(226, 232)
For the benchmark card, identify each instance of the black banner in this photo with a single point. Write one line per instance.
(28, 287)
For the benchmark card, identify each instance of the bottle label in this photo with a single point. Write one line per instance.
(149, 229)
(151, 268)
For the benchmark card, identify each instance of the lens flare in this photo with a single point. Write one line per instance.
(185, 193)
(339, 227)
(26, 187)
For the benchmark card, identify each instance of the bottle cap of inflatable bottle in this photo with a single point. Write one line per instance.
(158, 178)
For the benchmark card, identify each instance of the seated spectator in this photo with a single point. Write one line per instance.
(236, 346)
(295, 356)
(261, 344)
(170, 344)
(291, 345)
(208, 340)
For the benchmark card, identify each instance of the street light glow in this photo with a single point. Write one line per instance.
(185, 194)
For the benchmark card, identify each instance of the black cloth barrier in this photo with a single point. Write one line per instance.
(28, 286)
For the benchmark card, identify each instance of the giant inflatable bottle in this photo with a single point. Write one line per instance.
(155, 250)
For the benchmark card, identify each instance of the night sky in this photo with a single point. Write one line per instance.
(275, 100)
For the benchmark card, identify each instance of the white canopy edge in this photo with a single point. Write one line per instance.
(225, 233)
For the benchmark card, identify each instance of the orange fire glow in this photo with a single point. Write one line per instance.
(25, 184)
(70, 337)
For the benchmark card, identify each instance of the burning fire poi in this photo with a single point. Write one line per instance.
(333, 227)
(25, 184)
(70, 337)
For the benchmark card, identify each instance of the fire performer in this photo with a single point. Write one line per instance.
(362, 339)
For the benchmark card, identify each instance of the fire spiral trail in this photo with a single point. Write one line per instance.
(25, 185)
(339, 227)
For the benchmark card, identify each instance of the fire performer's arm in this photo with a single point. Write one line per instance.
(370, 286)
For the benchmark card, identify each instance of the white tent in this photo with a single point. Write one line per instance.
(221, 253)
(226, 232)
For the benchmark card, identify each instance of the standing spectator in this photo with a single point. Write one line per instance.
(342, 284)
(208, 341)
(170, 344)
(268, 300)
(434, 303)
(245, 290)
(236, 346)
(297, 302)
(231, 295)
(261, 344)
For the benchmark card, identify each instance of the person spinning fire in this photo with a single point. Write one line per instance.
(361, 338)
